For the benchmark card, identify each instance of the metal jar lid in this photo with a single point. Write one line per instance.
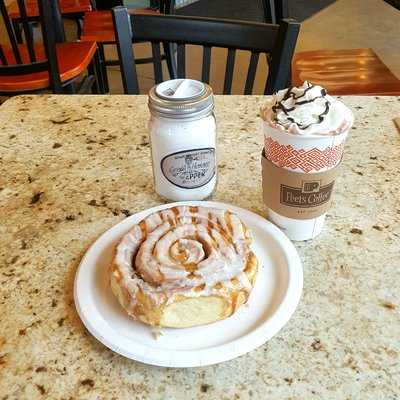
(181, 99)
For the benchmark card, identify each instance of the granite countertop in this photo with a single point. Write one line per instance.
(73, 166)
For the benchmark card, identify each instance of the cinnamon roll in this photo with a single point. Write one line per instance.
(184, 266)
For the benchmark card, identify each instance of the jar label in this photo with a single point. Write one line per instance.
(189, 169)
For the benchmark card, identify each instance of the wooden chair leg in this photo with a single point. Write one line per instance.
(78, 22)
(69, 89)
(92, 72)
(169, 52)
(103, 67)
(98, 73)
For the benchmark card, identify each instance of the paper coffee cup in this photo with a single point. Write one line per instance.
(307, 159)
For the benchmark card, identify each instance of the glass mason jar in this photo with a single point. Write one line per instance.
(183, 139)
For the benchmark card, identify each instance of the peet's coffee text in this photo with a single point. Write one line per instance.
(296, 197)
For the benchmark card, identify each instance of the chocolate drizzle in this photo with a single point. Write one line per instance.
(290, 94)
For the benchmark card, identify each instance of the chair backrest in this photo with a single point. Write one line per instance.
(21, 59)
(278, 41)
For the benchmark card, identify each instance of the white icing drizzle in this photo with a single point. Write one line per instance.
(184, 251)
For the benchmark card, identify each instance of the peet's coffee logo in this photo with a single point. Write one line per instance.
(189, 169)
(311, 194)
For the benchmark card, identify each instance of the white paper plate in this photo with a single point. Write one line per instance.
(272, 302)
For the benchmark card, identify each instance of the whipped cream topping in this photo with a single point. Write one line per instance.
(307, 110)
(184, 251)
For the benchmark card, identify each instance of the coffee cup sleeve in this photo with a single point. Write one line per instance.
(297, 195)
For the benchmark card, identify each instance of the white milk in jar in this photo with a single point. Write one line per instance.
(183, 139)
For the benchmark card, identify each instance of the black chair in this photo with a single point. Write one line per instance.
(275, 10)
(54, 65)
(278, 41)
(98, 26)
(70, 9)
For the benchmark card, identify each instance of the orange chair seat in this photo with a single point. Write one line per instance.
(98, 25)
(73, 60)
(66, 7)
(345, 72)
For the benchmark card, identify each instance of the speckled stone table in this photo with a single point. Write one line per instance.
(73, 166)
